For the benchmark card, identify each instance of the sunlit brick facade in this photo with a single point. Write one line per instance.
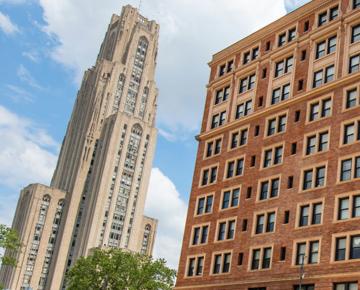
(276, 188)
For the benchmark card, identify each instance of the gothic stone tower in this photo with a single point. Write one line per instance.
(104, 166)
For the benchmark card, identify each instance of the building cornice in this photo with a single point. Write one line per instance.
(268, 30)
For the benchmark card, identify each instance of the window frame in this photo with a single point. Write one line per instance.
(235, 168)
(196, 257)
(205, 196)
(277, 119)
(192, 235)
(227, 229)
(315, 170)
(273, 149)
(311, 210)
(261, 257)
(270, 180)
(239, 138)
(231, 189)
(307, 257)
(317, 135)
(320, 102)
(222, 253)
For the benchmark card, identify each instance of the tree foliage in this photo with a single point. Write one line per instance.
(9, 241)
(117, 270)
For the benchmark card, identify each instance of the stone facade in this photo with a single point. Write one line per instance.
(106, 157)
(274, 194)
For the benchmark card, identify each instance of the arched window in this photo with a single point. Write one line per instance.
(118, 93)
(137, 70)
(144, 100)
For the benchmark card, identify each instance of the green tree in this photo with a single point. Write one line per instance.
(115, 269)
(9, 242)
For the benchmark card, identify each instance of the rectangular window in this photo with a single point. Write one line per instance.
(352, 98)
(213, 147)
(329, 15)
(323, 76)
(265, 223)
(218, 120)
(320, 109)
(246, 58)
(343, 208)
(315, 209)
(261, 258)
(340, 250)
(239, 138)
(322, 19)
(305, 287)
(243, 109)
(307, 253)
(221, 263)
(200, 235)
(272, 156)
(230, 66)
(247, 83)
(222, 70)
(355, 247)
(209, 176)
(346, 286)
(325, 47)
(350, 169)
(300, 253)
(314, 178)
(354, 65)
(351, 132)
(235, 168)
(269, 188)
(291, 34)
(255, 53)
(282, 39)
(314, 252)
(284, 66)
(355, 33)
(222, 95)
(195, 266)
(276, 125)
(318, 142)
(280, 94)
(226, 230)
(230, 198)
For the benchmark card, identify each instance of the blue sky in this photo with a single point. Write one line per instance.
(46, 45)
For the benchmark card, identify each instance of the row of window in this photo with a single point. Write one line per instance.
(320, 77)
(336, 286)
(286, 37)
(312, 178)
(305, 252)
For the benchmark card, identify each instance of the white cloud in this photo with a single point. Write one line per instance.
(191, 31)
(165, 204)
(19, 95)
(32, 55)
(6, 25)
(25, 76)
(27, 153)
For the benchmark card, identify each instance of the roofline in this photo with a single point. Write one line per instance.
(284, 21)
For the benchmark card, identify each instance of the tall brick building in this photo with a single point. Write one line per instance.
(275, 200)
